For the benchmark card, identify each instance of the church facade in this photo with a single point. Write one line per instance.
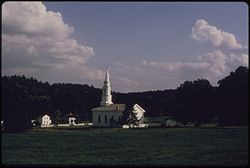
(109, 114)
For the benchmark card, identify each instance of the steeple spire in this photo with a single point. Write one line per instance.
(107, 74)
(106, 91)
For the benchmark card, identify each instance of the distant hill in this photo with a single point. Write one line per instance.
(24, 99)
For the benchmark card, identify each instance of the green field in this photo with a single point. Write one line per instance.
(114, 146)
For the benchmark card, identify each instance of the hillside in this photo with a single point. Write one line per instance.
(24, 99)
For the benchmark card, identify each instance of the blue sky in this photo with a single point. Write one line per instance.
(147, 45)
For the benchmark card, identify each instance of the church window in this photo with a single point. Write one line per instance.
(99, 118)
(105, 118)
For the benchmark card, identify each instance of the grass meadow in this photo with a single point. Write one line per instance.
(116, 146)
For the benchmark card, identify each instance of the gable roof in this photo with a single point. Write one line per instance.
(139, 107)
(46, 115)
(112, 107)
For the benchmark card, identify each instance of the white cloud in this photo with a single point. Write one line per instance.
(38, 42)
(173, 66)
(203, 32)
(154, 75)
(235, 60)
(217, 63)
(32, 18)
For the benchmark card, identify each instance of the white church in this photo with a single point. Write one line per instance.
(108, 114)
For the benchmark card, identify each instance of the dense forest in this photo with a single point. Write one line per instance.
(25, 99)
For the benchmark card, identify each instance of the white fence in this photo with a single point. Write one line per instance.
(135, 126)
(78, 124)
(44, 126)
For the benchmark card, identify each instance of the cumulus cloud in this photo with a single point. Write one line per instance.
(203, 32)
(235, 60)
(32, 18)
(217, 62)
(37, 42)
(213, 66)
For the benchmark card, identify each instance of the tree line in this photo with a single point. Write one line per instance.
(25, 99)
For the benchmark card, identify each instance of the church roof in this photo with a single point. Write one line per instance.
(112, 107)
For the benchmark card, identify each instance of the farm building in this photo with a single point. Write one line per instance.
(109, 114)
(46, 121)
(72, 119)
(139, 113)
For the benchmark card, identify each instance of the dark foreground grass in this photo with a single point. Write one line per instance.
(169, 146)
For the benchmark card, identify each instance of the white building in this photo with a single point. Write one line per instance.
(46, 121)
(108, 114)
(106, 91)
(139, 113)
(72, 119)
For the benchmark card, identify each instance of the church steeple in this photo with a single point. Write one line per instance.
(106, 91)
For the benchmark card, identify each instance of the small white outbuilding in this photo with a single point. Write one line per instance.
(139, 113)
(72, 119)
(46, 121)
